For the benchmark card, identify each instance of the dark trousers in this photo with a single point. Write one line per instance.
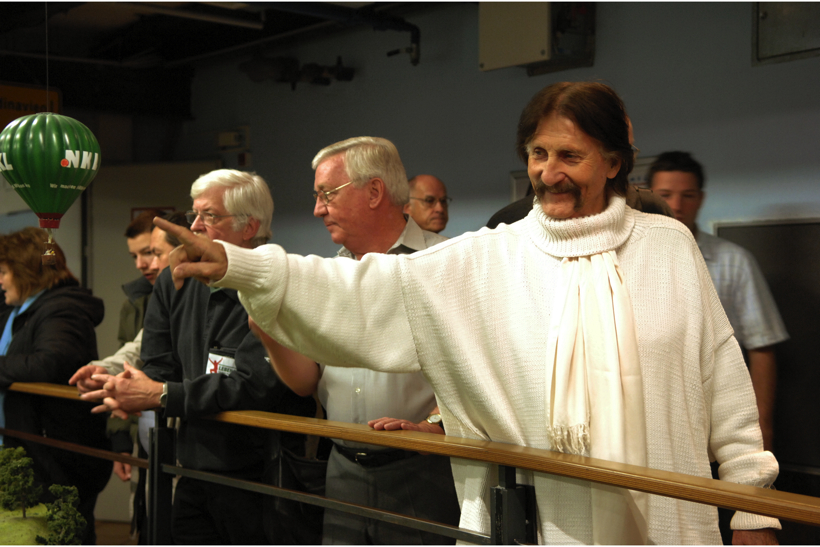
(724, 515)
(420, 486)
(212, 514)
(86, 509)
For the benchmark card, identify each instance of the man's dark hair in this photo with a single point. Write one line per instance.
(677, 161)
(178, 218)
(596, 109)
(143, 223)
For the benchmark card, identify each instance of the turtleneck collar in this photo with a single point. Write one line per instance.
(582, 236)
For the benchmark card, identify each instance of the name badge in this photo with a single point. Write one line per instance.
(220, 364)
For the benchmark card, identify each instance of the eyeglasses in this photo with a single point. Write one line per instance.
(327, 196)
(430, 201)
(208, 219)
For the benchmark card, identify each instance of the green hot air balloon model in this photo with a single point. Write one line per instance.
(49, 160)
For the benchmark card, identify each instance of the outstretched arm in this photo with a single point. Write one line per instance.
(332, 311)
(299, 373)
(763, 370)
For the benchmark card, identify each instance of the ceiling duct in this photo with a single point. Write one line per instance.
(288, 70)
(351, 17)
(191, 14)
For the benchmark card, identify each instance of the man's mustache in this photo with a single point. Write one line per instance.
(560, 188)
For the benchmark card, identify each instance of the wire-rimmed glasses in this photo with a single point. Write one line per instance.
(327, 195)
(208, 219)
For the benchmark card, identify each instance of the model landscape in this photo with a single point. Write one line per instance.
(26, 521)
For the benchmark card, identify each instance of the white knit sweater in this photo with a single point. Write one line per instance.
(473, 313)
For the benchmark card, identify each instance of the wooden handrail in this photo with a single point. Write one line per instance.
(784, 505)
(65, 392)
(78, 448)
(42, 388)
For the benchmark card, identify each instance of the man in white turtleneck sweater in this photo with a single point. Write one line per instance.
(587, 328)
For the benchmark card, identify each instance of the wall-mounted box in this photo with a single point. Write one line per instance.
(513, 33)
(785, 31)
(539, 36)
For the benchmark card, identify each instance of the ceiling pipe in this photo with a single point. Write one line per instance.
(50, 57)
(322, 10)
(246, 45)
(350, 17)
(304, 30)
(186, 14)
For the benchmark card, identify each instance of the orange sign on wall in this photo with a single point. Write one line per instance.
(18, 100)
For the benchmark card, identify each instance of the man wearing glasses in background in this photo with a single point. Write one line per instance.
(429, 203)
(201, 359)
(360, 191)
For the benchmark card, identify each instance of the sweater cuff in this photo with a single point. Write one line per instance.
(246, 267)
(750, 521)
(175, 402)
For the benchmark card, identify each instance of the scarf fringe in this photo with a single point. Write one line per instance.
(570, 440)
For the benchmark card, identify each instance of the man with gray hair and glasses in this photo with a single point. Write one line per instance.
(429, 203)
(201, 359)
(360, 190)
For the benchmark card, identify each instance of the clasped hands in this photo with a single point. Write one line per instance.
(122, 395)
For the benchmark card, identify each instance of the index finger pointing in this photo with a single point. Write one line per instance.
(180, 232)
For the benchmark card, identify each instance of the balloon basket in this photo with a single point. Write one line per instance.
(49, 220)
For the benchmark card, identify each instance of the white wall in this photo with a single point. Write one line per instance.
(16, 215)
(683, 70)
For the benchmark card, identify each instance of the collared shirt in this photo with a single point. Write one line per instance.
(357, 395)
(412, 239)
(743, 292)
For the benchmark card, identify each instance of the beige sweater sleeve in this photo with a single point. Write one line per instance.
(335, 311)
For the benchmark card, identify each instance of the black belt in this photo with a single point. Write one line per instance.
(373, 458)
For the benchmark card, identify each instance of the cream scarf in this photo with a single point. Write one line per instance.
(594, 390)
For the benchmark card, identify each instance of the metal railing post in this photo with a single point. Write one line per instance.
(512, 510)
(160, 451)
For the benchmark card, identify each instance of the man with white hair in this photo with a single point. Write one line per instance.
(586, 328)
(360, 190)
(200, 358)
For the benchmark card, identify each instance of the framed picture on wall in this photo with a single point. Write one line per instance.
(639, 171)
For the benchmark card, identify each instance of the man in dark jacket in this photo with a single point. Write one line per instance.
(138, 291)
(200, 359)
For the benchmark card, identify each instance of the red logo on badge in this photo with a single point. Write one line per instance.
(215, 364)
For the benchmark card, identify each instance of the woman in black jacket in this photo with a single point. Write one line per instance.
(47, 325)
